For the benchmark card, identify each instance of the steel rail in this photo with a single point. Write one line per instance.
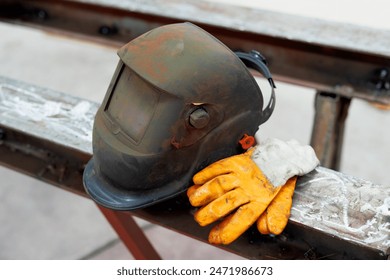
(334, 216)
(348, 60)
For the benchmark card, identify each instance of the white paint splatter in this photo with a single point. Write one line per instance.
(349, 207)
(68, 118)
(384, 209)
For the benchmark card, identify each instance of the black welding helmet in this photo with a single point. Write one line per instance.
(178, 101)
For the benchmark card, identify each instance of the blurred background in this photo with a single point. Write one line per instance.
(38, 221)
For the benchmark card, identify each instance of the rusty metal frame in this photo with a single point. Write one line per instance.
(344, 62)
(320, 227)
(131, 234)
(327, 137)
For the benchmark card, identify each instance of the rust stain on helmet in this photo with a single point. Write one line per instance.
(183, 60)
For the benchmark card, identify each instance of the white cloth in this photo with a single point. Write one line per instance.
(280, 160)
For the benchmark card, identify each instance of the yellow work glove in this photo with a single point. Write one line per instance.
(274, 219)
(237, 186)
(255, 186)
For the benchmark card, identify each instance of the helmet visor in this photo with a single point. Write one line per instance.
(131, 105)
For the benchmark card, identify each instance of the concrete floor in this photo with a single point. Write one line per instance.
(38, 221)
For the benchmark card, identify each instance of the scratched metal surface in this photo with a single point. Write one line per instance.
(47, 113)
(342, 206)
(344, 36)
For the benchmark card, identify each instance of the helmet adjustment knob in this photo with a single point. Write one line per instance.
(199, 118)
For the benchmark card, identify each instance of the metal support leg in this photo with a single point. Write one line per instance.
(131, 234)
(328, 129)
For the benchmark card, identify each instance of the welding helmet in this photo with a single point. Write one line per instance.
(178, 101)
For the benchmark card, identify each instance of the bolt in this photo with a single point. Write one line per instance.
(108, 30)
(199, 118)
(382, 79)
(383, 73)
(40, 14)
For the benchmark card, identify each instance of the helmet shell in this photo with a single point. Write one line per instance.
(178, 101)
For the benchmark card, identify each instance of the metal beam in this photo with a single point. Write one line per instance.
(328, 129)
(352, 61)
(334, 216)
(131, 234)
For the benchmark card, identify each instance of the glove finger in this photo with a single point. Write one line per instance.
(223, 166)
(235, 224)
(278, 212)
(200, 195)
(192, 190)
(220, 207)
(262, 225)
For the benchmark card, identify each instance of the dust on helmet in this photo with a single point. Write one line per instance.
(178, 101)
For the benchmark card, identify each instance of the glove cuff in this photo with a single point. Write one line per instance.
(280, 160)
